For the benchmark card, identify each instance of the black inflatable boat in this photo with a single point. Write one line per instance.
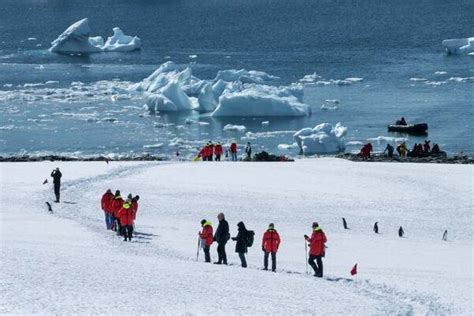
(414, 129)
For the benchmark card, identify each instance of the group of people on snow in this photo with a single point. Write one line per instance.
(120, 214)
(214, 152)
(270, 243)
(419, 150)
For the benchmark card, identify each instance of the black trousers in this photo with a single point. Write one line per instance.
(274, 261)
(207, 254)
(318, 266)
(221, 253)
(127, 232)
(242, 259)
(57, 190)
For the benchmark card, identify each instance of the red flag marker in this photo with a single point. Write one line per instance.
(45, 181)
(354, 270)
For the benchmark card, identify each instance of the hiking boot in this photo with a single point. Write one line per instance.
(266, 269)
(217, 262)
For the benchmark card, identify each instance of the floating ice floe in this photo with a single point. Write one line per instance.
(235, 128)
(387, 139)
(76, 39)
(323, 139)
(459, 46)
(284, 147)
(153, 146)
(315, 79)
(244, 76)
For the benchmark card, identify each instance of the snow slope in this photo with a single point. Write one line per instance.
(66, 262)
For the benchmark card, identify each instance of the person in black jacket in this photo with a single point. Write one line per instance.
(221, 237)
(241, 245)
(56, 175)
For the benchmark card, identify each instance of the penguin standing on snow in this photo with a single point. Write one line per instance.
(401, 232)
(376, 227)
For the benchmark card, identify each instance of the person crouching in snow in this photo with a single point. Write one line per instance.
(117, 204)
(317, 249)
(126, 220)
(106, 204)
(270, 244)
(207, 238)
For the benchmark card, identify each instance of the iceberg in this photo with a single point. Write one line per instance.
(76, 39)
(323, 139)
(261, 100)
(172, 88)
(459, 46)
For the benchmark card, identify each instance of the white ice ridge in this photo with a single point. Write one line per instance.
(77, 39)
(323, 139)
(230, 93)
(459, 46)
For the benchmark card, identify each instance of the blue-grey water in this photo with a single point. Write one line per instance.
(384, 42)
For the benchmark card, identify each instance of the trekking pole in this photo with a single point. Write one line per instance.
(306, 255)
(199, 246)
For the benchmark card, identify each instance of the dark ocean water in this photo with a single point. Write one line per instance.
(384, 42)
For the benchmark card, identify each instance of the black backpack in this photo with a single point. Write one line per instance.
(249, 238)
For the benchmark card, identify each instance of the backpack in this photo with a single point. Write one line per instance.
(249, 238)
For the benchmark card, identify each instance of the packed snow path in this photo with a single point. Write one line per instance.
(66, 262)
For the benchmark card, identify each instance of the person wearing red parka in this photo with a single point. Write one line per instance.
(106, 204)
(218, 151)
(270, 244)
(116, 205)
(233, 151)
(316, 249)
(125, 215)
(207, 238)
(134, 206)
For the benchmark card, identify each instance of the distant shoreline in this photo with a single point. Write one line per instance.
(148, 157)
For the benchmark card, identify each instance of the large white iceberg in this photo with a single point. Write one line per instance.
(172, 88)
(261, 100)
(323, 139)
(459, 46)
(77, 39)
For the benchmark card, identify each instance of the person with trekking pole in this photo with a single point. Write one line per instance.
(316, 249)
(207, 238)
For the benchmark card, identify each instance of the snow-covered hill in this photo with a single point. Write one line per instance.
(66, 262)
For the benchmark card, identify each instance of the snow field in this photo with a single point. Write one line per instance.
(67, 262)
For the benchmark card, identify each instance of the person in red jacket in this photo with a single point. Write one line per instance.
(207, 238)
(116, 205)
(233, 151)
(134, 206)
(316, 249)
(270, 244)
(106, 204)
(218, 151)
(126, 220)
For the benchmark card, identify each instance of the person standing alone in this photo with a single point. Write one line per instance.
(270, 245)
(221, 237)
(56, 175)
(316, 250)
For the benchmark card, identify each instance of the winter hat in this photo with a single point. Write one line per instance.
(109, 191)
(315, 224)
(117, 193)
(130, 196)
(271, 226)
(203, 222)
(137, 197)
